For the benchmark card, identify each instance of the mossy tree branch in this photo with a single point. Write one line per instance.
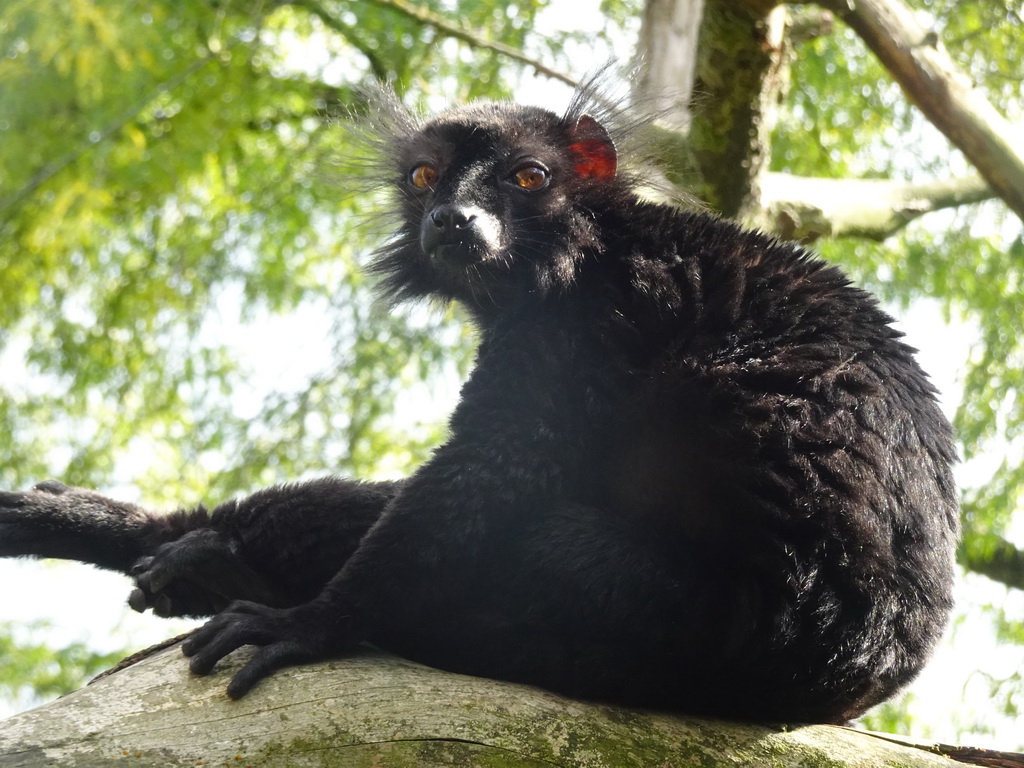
(805, 209)
(917, 61)
(994, 557)
(372, 709)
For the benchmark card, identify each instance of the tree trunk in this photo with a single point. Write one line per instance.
(742, 73)
(668, 49)
(376, 710)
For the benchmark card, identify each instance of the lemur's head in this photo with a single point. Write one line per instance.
(497, 202)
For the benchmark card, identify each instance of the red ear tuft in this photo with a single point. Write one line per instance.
(593, 148)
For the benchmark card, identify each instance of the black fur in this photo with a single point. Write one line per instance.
(693, 468)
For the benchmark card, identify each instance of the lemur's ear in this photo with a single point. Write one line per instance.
(593, 149)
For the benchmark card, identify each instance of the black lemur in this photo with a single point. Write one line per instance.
(693, 468)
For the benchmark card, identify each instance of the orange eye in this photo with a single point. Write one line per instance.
(423, 176)
(531, 178)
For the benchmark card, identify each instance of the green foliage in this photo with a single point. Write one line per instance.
(890, 717)
(42, 670)
(163, 179)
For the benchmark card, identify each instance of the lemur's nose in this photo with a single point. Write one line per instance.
(448, 218)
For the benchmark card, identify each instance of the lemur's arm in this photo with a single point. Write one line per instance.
(278, 546)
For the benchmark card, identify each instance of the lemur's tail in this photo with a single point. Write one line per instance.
(53, 520)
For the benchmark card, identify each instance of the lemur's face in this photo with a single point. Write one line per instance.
(490, 198)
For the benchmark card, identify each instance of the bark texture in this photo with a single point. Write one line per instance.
(376, 710)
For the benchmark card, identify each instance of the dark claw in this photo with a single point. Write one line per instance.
(153, 575)
(163, 606)
(287, 636)
(137, 601)
(157, 579)
(267, 661)
(218, 637)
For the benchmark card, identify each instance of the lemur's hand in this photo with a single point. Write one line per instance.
(198, 574)
(287, 636)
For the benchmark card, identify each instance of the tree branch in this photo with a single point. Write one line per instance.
(995, 557)
(804, 209)
(808, 23)
(918, 62)
(347, 31)
(393, 712)
(425, 16)
(667, 49)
